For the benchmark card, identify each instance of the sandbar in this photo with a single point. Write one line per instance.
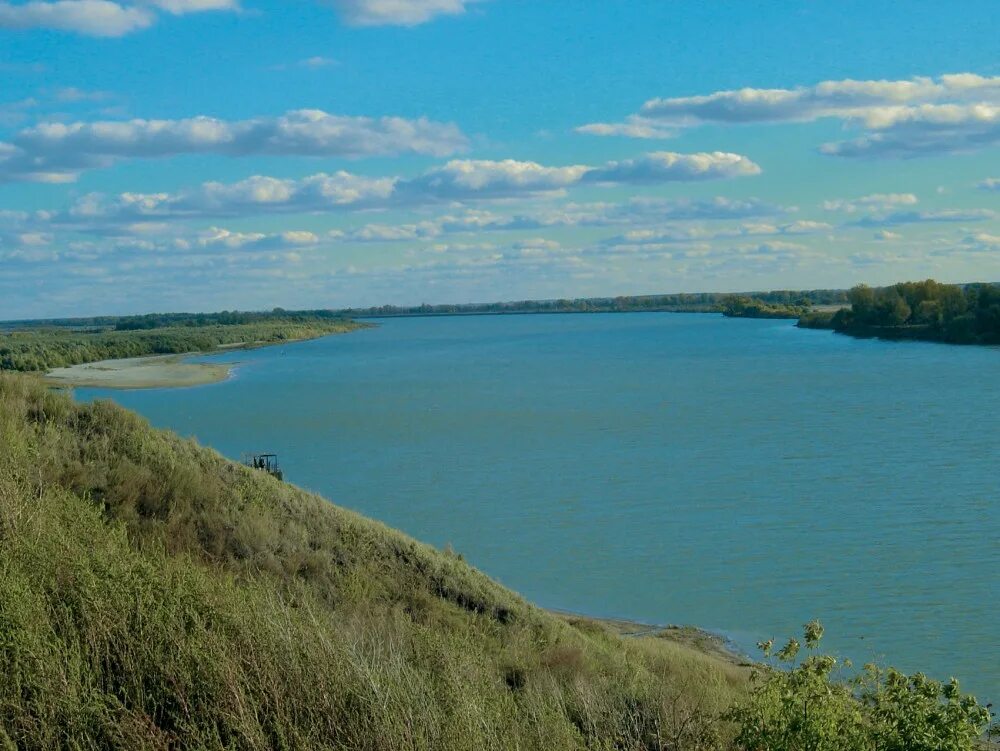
(159, 371)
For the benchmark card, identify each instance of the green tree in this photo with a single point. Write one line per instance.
(862, 299)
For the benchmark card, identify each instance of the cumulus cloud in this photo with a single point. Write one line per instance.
(461, 179)
(72, 95)
(493, 179)
(904, 118)
(99, 18)
(396, 12)
(664, 166)
(876, 102)
(885, 235)
(924, 130)
(634, 127)
(873, 202)
(984, 240)
(979, 246)
(990, 183)
(720, 207)
(313, 63)
(392, 233)
(255, 195)
(922, 217)
(455, 181)
(216, 237)
(684, 234)
(58, 152)
(181, 7)
(634, 212)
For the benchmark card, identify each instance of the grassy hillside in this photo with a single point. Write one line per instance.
(154, 595)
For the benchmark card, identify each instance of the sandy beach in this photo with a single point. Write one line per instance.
(161, 371)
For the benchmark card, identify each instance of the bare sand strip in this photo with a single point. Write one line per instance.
(160, 371)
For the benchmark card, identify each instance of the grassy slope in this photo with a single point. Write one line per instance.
(155, 595)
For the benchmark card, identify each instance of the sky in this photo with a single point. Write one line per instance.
(201, 155)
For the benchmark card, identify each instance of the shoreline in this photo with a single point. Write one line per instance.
(161, 371)
(706, 642)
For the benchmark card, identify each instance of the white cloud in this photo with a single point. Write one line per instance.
(455, 181)
(973, 246)
(685, 234)
(984, 240)
(462, 178)
(927, 129)
(181, 7)
(633, 213)
(720, 207)
(922, 217)
(255, 195)
(537, 244)
(877, 102)
(314, 63)
(317, 61)
(72, 95)
(396, 12)
(805, 227)
(873, 202)
(99, 18)
(886, 236)
(216, 237)
(56, 152)
(635, 127)
(665, 166)
(990, 183)
(394, 233)
(904, 118)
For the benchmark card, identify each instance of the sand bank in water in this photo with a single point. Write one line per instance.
(140, 373)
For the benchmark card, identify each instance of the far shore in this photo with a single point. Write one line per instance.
(158, 371)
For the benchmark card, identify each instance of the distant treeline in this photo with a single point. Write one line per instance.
(43, 349)
(697, 302)
(959, 314)
(175, 320)
(694, 302)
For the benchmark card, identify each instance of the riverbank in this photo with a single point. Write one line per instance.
(44, 349)
(161, 371)
(692, 637)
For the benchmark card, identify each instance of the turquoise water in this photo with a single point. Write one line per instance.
(745, 476)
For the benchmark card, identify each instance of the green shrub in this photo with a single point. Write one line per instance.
(806, 708)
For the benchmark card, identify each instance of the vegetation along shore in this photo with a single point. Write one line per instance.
(103, 351)
(927, 310)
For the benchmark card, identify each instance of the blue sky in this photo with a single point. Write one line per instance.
(210, 154)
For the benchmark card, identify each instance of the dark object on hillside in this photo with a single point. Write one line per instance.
(264, 462)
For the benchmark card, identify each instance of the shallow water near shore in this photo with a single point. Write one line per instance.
(744, 476)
